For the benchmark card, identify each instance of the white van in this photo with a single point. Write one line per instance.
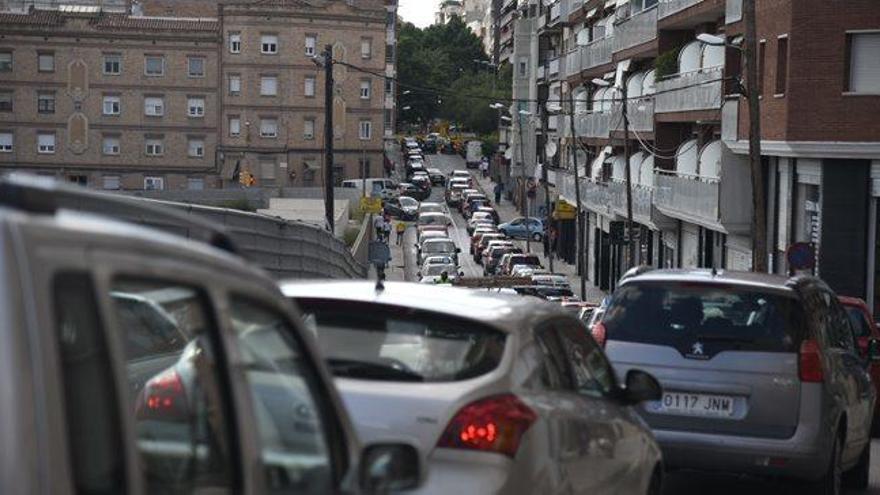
(385, 188)
(474, 154)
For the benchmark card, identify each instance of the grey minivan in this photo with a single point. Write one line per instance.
(135, 361)
(760, 373)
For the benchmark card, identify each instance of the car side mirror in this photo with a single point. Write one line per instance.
(874, 350)
(641, 387)
(461, 274)
(387, 468)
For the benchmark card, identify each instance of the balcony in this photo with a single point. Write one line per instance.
(596, 53)
(555, 12)
(593, 125)
(640, 114)
(572, 63)
(542, 72)
(597, 196)
(643, 202)
(714, 202)
(668, 7)
(636, 30)
(698, 90)
(553, 67)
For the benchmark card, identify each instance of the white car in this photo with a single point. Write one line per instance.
(427, 207)
(478, 218)
(551, 280)
(464, 174)
(503, 395)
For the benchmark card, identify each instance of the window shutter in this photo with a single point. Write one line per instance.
(865, 68)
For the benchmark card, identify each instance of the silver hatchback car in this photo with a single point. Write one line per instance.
(761, 374)
(503, 394)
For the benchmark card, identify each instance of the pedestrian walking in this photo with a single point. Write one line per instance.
(484, 167)
(499, 188)
(386, 227)
(378, 226)
(401, 228)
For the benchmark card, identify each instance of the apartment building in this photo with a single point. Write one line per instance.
(686, 143)
(109, 100)
(273, 90)
(449, 9)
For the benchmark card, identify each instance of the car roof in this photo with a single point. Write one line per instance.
(716, 276)
(430, 203)
(438, 239)
(501, 311)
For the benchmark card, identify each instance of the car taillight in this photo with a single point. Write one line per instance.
(810, 363)
(600, 334)
(163, 398)
(494, 424)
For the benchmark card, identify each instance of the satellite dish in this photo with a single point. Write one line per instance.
(551, 149)
(509, 154)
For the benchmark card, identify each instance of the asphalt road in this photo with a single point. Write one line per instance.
(680, 483)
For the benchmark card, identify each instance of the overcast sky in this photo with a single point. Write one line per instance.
(418, 12)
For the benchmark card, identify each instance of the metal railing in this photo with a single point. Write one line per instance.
(687, 196)
(640, 114)
(698, 90)
(572, 63)
(553, 67)
(596, 196)
(593, 124)
(668, 7)
(637, 29)
(643, 200)
(555, 12)
(596, 53)
(542, 71)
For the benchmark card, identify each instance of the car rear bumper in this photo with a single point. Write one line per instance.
(803, 456)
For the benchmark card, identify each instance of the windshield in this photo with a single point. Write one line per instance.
(439, 247)
(681, 314)
(407, 202)
(388, 343)
(432, 220)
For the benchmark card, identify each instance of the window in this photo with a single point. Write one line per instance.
(110, 182)
(196, 147)
(781, 66)
(154, 183)
(234, 42)
(195, 183)
(6, 140)
(309, 129)
(111, 145)
(389, 53)
(591, 373)
(154, 106)
(365, 90)
(309, 86)
(46, 62)
(311, 44)
(268, 127)
(522, 68)
(5, 61)
(91, 405)
(196, 66)
(269, 44)
(267, 171)
(310, 166)
(154, 65)
(864, 63)
(762, 65)
(268, 86)
(553, 374)
(234, 125)
(179, 400)
(195, 106)
(270, 353)
(5, 101)
(389, 87)
(112, 64)
(46, 102)
(234, 84)
(112, 105)
(46, 143)
(80, 180)
(366, 130)
(366, 47)
(155, 146)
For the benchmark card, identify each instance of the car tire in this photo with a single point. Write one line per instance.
(536, 237)
(831, 483)
(858, 477)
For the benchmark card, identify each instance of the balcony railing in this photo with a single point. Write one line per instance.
(542, 21)
(734, 11)
(542, 72)
(639, 28)
(593, 124)
(597, 53)
(668, 7)
(687, 197)
(698, 90)
(640, 114)
(643, 201)
(572, 63)
(596, 196)
(555, 11)
(553, 67)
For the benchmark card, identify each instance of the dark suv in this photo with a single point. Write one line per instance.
(761, 374)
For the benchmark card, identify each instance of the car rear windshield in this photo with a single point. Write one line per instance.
(525, 260)
(439, 247)
(724, 317)
(432, 219)
(389, 343)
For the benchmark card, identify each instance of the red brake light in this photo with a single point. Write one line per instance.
(600, 334)
(810, 365)
(163, 397)
(494, 424)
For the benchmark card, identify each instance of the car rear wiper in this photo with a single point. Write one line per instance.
(353, 368)
(726, 338)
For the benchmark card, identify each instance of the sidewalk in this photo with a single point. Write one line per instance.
(507, 211)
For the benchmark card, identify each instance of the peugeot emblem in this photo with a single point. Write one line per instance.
(697, 349)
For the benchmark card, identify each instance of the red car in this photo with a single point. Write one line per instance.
(865, 330)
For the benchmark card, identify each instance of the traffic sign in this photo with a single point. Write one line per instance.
(801, 256)
(371, 205)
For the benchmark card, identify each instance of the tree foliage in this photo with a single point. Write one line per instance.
(439, 78)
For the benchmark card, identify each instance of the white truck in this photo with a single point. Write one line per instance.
(473, 154)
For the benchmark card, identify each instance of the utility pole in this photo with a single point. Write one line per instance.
(328, 137)
(759, 203)
(582, 269)
(631, 245)
(522, 175)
